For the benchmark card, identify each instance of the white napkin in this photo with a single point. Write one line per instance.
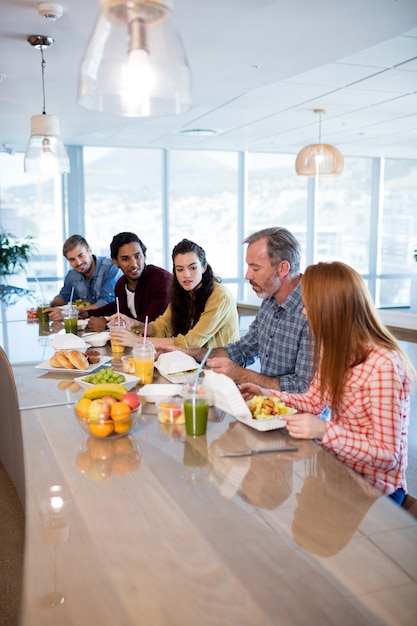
(226, 395)
(68, 342)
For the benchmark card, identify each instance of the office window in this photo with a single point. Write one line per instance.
(344, 215)
(123, 192)
(203, 205)
(398, 236)
(276, 196)
(31, 205)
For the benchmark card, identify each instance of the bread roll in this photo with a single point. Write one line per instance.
(54, 361)
(63, 360)
(78, 359)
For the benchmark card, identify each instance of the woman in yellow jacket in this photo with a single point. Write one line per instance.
(202, 312)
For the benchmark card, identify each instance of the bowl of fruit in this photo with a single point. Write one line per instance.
(108, 411)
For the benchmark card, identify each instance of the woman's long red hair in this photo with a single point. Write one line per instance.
(344, 324)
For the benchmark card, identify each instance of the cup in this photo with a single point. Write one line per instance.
(144, 357)
(43, 317)
(196, 406)
(116, 346)
(70, 316)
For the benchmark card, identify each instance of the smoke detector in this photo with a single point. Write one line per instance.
(50, 11)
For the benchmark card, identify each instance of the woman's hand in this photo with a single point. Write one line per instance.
(124, 336)
(130, 322)
(305, 426)
(248, 390)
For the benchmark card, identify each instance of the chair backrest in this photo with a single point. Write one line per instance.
(11, 440)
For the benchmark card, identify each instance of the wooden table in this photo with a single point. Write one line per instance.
(159, 529)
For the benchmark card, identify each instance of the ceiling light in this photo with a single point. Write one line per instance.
(135, 64)
(50, 11)
(319, 159)
(45, 152)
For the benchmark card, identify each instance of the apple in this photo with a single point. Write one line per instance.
(109, 399)
(98, 410)
(131, 399)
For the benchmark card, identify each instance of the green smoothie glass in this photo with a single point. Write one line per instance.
(196, 406)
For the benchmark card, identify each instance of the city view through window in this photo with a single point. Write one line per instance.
(367, 217)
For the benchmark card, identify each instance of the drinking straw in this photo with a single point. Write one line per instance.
(72, 295)
(118, 311)
(38, 282)
(200, 367)
(145, 330)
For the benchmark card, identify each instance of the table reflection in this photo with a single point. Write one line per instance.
(55, 527)
(100, 459)
(330, 506)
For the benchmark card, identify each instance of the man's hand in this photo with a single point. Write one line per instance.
(224, 365)
(55, 314)
(96, 324)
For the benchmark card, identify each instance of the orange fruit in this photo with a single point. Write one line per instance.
(119, 411)
(122, 427)
(102, 429)
(81, 408)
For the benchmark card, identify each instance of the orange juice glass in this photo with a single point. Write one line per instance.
(144, 357)
(116, 346)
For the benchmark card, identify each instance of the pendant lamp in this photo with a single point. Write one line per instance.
(135, 64)
(319, 159)
(45, 152)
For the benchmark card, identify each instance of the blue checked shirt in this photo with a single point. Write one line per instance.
(99, 289)
(279, 337)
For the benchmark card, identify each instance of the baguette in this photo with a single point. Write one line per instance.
(78, 359)
(63, 360)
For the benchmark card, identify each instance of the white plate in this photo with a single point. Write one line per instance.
(92, 367)
(129, 382)
(271, 423)
(156, 393)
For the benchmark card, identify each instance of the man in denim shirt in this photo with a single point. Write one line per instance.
(279, 335)
(93, 278)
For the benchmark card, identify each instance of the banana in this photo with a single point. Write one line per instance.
(105, 389)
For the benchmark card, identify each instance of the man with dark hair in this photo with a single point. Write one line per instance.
(143, 290)
(279, 335)
(92, 278)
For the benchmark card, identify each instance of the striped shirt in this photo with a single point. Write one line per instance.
(369, 432)
(279, 338)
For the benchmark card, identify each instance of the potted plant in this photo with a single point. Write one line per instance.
(14, 257)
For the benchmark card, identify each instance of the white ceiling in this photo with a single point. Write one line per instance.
(259, 68)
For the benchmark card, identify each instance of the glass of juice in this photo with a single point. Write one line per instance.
(196, 406)
(43, 317)
(70, 316)
(116, 346)
(144, 357)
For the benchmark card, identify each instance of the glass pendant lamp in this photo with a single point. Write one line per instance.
(45, 152)
(319, 159)
(135, 64)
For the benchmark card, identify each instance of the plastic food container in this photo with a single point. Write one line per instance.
(170, 411)
(128, 365)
